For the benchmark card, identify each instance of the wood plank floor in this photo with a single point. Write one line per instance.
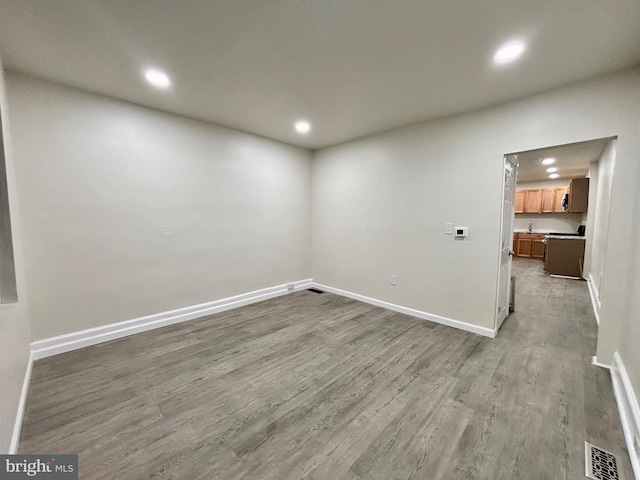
(317, 386)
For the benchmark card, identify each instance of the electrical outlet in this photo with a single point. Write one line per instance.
(394, 280)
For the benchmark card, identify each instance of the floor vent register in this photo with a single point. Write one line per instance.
(600, 464)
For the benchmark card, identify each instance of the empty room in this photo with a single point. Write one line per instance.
(319, 239)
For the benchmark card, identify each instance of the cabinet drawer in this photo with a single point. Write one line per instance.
(531, 236)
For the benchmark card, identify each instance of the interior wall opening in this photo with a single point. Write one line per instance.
(561, 212)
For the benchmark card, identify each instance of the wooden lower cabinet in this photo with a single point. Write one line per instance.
(565, 256)
(529, 245)
(523, 247)
(537, 248)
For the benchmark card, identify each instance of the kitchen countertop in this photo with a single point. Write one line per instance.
(546, 233)
(565, 237)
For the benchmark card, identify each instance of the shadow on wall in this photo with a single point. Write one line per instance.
(8, 289)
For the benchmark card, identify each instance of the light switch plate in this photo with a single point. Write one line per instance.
(448, 228)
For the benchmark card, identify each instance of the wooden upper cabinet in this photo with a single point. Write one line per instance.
(519, 206)
(548, 200)
(559, 196)
(578, 195)
(533, 201)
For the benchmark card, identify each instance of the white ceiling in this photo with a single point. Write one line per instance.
(572, 161)
(350, 67)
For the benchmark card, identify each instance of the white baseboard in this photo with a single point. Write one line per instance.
(568, 277)
(629, 410)
(595, 301)
(487, 332)
(92, 336)
(17, 427)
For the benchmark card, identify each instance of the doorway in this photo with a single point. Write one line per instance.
(557, 215)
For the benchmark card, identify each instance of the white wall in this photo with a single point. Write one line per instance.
(115, 202)
(380, 203)
(14, 327)
(628, 340)
(602, 208)
(545, 223)
(379, 209)
(588, 218)
(128, 211)
(540, 184)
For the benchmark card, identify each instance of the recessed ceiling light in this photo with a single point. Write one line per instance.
(554, 175)
(509, 52)
(548, 161)
(552, 169)
(157, 78)
(303, 127)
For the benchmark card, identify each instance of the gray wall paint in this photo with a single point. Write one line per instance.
(129, 211)
(14, 325)
(380, 203)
